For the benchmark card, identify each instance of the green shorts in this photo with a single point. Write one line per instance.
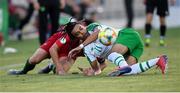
(131, 38)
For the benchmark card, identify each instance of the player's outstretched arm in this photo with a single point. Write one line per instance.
(91, 38)
(88, 40)
(54, 55)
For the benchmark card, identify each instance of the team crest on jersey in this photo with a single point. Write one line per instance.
(63, 40)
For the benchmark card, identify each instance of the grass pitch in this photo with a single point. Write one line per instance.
(151, 80)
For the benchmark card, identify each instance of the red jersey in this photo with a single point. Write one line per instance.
(63, 41)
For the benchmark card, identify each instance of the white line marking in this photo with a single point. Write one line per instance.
(10, 66)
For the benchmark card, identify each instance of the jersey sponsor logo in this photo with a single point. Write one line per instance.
(63, 40)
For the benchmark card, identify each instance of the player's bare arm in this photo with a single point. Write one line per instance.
(89, 40)
(54, 54)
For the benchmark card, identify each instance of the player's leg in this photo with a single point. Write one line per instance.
(133, 57)
(149, 16)
(146, 65)
(102, 63)
(117, 58)
(118, 50)
(116, 55)
(47, 68)
(131, 60)
(128, 4)
(36, 58)
(148, 28)
(162, 30)
(135, 54)
(128, 40)
(162, 12)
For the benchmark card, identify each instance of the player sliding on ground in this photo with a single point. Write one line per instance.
(128, 43)
(56, 47)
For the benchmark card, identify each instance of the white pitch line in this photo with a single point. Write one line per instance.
(10, 66)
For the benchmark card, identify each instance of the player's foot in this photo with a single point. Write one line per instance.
(120, 72)
(162, 63)
(46, 69)
(162, 43)
(15, 72)
(54, 69)
(147, 42)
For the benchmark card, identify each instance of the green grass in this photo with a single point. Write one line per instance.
(151, 80)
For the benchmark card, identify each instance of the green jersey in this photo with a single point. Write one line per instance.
(91, 27)
(126, 36)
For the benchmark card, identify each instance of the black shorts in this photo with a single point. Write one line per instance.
(161, 5)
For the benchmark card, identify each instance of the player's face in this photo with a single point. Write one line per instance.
(79, 31)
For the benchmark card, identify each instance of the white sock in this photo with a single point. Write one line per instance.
(152, 62)
(142, 66)
(117, 59)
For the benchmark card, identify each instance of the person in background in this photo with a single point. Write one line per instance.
(162, 12)
(128, 4)
(87, 11)
(48, 9)
(71, 8)
(24, 21)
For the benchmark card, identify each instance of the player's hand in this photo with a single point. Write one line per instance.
(97, 72)
(74, 52)
(87, 71)
(61, 72)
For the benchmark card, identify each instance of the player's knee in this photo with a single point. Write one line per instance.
(34, 60)
(149, 17)
(131, 60)
(119, 49)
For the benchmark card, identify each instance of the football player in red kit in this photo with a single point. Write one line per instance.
(56, 47)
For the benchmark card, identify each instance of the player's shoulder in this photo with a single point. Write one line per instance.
(92, 26)
(65, 38)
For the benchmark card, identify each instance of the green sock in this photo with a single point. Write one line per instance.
(28, 67)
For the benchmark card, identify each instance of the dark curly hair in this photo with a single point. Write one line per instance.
(69, 28)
